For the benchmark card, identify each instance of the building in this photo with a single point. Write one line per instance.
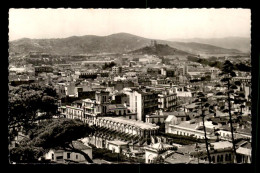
(95, 107)
(153, 151)
(62, 156)
(120, 110)
(142, 103)
(157, 117)
(153, 71)
(88, 109)
(117, 70)
(187, 128)
(220, 152)
(160, 116)
(244, 152)
(117, 146)
(127, 126)
(120, 85)
(40, 69)
(167, 100)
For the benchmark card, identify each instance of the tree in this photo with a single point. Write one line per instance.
(25, 102)
(25, 154)
(60, 133)
(202, 101)
(228, 73)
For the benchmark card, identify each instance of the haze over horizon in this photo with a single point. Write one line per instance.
(161, 24)
(135, 35)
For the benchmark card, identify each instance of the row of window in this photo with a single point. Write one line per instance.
(220, 158)
(61, 157)
(189, 134)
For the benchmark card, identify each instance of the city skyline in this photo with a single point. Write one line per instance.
(154, 24)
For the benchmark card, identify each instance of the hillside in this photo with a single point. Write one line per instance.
(240, 43)
(160, 50)
(115, 43)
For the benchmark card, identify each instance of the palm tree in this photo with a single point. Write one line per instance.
(202, 101)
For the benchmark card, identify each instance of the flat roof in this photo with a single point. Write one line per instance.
(244, 151)
(222, 145)
(117, 142)
(187, 124)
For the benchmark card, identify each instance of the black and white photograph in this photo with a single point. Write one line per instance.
(129, 86)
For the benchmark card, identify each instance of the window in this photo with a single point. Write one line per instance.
(76, 156)
(52, 156)
(226, 157)
(68, 155)
(59, 157)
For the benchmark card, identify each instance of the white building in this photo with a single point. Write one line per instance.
(128, 126)
(187, 128)
(61, 156)
(117, 146)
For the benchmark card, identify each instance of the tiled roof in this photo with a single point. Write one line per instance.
(79, 145)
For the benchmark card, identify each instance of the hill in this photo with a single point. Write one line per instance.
(240, 43)
(159, 49)
(115, 43)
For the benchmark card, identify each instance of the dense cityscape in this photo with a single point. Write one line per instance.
(140, 108)
(125, 99)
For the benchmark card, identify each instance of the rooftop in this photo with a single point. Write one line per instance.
(79, 145)
(116, 106)
(222, 145)
(191, 106)
(244, 151)
(117, 142)
(135, 123)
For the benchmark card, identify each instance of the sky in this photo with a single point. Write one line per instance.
(148, 23)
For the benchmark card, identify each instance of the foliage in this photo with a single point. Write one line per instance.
(57, 134)
(108, 65)
(24, 104)
(212, 62)
(26, 154)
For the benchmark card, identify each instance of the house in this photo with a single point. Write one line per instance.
(117, 146)
(62, 156)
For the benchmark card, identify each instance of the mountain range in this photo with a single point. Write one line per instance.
(115, 43)
(240, 43)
